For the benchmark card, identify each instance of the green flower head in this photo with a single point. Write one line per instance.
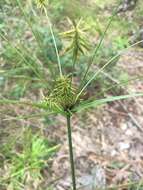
(41, 3)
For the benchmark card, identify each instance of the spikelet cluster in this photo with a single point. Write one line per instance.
(41, 3)
(63, 94)
(79, 43)
(52, 104)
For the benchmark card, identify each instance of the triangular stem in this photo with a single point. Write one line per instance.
(71, 150)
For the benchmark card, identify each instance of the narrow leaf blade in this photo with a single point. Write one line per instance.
(95, 103)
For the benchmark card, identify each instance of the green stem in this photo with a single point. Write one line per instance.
(71, 150)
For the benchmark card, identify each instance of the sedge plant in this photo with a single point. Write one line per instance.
(66, 97)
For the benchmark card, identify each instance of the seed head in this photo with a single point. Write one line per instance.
(41, 3)
(64, 92)
(63, 95)
(79, 43)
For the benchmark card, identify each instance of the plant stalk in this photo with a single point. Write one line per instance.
(71, 150)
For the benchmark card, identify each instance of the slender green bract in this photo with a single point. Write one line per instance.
(41, 105)
(54, 41)
(102, 68)
(94, 103)
(98, 47)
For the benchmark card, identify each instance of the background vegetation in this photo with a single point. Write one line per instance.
(29, 146)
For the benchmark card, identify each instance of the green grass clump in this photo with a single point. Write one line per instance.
(25, 161)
